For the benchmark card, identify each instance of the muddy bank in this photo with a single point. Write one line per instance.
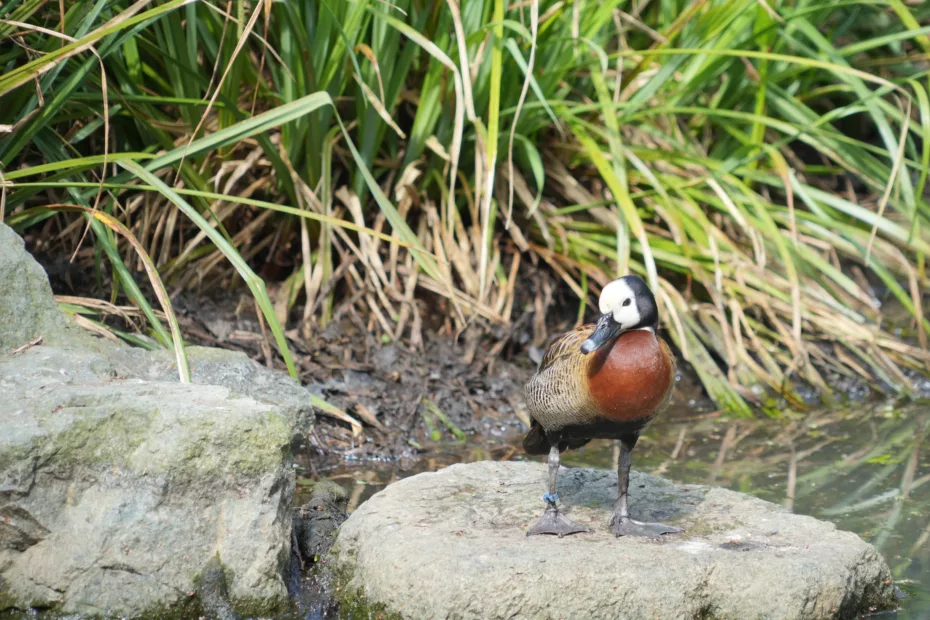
(406, 400)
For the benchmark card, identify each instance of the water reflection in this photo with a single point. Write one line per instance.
(866, 470)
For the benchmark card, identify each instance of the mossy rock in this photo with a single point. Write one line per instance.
(118, 482)
(123, 487)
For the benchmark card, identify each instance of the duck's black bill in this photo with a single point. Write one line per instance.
(605, 331)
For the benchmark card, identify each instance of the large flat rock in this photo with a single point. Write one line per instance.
(452, 544)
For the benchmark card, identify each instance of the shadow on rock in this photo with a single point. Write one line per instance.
(214, 593)
(649, 500)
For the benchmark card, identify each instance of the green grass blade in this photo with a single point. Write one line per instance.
(255, 284)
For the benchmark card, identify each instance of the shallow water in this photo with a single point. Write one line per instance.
(867, 470)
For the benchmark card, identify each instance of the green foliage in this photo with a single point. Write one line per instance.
(763, 164)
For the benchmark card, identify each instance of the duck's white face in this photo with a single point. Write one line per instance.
(618, 299)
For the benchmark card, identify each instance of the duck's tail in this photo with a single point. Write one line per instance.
(537, 442)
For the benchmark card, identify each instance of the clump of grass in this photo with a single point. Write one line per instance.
(762, 164)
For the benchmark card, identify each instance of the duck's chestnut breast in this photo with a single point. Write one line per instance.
(633, 377)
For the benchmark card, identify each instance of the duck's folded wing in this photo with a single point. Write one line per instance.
(567, 344)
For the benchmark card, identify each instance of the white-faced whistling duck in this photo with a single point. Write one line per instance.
(607, 380)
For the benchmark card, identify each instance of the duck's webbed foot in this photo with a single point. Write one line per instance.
(620, 522)
(554, 522)
(625, 526)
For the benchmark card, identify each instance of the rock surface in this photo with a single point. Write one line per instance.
(118, 483)
(452, 544)
(27, 307)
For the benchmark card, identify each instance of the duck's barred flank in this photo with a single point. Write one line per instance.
(558, 394)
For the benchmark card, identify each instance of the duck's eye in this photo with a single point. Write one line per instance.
(626, 302)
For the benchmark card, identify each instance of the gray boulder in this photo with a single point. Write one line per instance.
(27, 307)
(118, 484)
(452, 544)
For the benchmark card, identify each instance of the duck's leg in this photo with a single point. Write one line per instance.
(621, 522)
(552, 521)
